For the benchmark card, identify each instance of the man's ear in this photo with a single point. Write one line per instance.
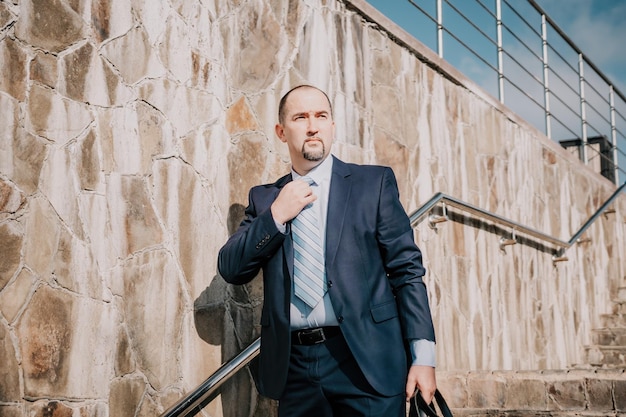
(280, 132)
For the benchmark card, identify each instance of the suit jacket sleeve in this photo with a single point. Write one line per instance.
(255, 241)
(403, 263)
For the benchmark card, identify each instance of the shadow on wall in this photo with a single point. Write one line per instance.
(228, 315)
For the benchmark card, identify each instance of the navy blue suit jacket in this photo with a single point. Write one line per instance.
(374, 272)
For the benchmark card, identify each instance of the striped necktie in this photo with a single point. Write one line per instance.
(309, 274)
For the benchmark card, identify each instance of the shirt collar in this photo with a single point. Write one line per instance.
(320, 173)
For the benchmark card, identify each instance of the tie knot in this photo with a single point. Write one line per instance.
(308, 180)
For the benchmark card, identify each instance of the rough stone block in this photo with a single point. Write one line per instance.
(125, 396)
(141, 63)
(33, 25)
(13, 61)
(29, 153)
(185, 108)
(149, 276)
(256, 52)
(487, 391)
(52, 408)
(600, 394)
(11, 239)
(55, 362)
(93, 81)
(124, 362)
(568, 394)
(15, 295)
(619, 392)
(11, 411)
(11, 199)
(43, 69)
(45, 333)
(526, 393)
(5, 15)
(9, 371)
(454, 388)
(610, 337)
(55, 117)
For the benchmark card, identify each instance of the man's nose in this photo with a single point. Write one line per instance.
(312, 127)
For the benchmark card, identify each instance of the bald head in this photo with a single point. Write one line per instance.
(283, 101)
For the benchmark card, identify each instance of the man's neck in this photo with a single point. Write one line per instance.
(318, 172)
(304, 170)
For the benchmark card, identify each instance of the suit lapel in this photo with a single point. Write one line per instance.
(338, 197)
(288, 243)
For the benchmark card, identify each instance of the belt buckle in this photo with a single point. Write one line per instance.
(315, 336)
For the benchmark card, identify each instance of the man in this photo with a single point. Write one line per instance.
(337, 342)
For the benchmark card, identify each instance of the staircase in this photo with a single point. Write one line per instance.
(609, 348)
(596, 389)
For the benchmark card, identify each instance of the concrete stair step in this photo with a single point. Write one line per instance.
(590, 392)
(613, 320)
(619, 307)
(606, 356)
(615, 336)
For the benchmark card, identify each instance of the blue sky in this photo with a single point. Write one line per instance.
(598, 28)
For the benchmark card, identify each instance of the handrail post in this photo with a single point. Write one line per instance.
(546, 75)
(614, 134)
(440, 28)
(583, 109)
(500, 50)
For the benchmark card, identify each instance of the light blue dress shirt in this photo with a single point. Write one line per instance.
(303, 316)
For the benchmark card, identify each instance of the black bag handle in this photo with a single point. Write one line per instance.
(418, 403)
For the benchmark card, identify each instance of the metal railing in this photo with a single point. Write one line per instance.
(191, 404)
(206, 392)
(514, 227)
(449, 201)
(514, 51)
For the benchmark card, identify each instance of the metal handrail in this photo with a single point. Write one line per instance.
(208, 390)
(593, 218)
(419, 215)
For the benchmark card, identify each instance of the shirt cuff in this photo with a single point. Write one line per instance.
(422, 352)
(282, 228)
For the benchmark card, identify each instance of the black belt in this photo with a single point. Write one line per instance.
(314, 336)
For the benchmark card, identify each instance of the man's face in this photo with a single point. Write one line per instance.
(308, 128)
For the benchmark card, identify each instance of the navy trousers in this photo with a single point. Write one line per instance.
(325, 381)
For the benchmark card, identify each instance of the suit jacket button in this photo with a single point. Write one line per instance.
(330, 284)
(340, 319)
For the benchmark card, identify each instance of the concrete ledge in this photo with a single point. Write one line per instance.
(577, 392)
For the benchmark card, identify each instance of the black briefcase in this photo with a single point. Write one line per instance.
(419, 408)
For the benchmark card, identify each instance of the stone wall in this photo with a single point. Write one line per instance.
(130, 132)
